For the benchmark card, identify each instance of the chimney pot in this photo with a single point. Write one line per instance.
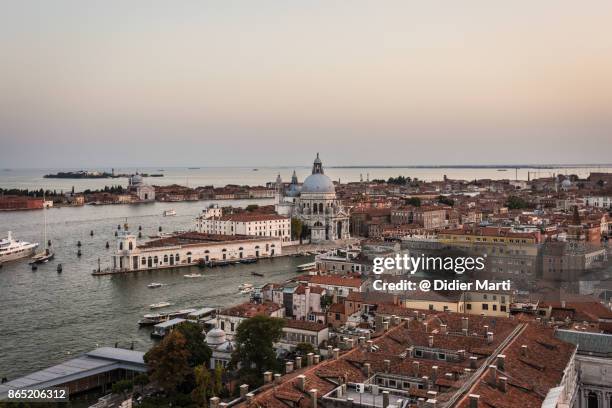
(313, 396)
(473, 361)
(501, 360)
(369, 344)
(268, 377)
(431, 341)
(250, 396)
(386, 325)
(503, 384)
(214, 402)
(309, 358)
(277, 378)
(288, 367)
(415, 368)
(366, 370)
(244, 389)
(336, 353)
(301, 380)
(316, 359)
(524, 349)
(298, 363)
(492, 374)
(434, 374)
(474, 400)
(387, 364)
(385, 395)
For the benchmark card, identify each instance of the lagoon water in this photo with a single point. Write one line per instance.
(46, 317)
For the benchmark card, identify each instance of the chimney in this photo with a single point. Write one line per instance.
(301, 382)
(489, 337)
(431, 403)
(385, 395)
(329, 351)
(502, 384)
(426, 325)
(361, 340)
(277, 378)
(316, 359)
(464, 332)
(350, 343)
(492, 375)
(426, 381)
(366, 370)
(464, 323)
(214, 402)
(434, 374)
(467, 371)
(386, 325)
(473, 362)
(336, 353)
(309, 358)
(443, 329)
(313, 396)
(563, 304)
(288, 367)
(431, 342)
(524, 350)
(369, 345)
(410, 351)
(387, 364)
(474, 400)
(486, 328)
(298, 363)
(250, 396)
(223, 405)
(268, 377)
(420, 402)
(415, 368)
(393, 321)
(244, 389)
(461, 354)
(501, 360)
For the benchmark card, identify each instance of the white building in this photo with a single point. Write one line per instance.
(213, 221)
(190, 248)
(137, 186)
(599, 201)
(229, 319)
(299, 331)
(315, 204)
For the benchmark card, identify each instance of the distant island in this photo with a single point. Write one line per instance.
(82, 174)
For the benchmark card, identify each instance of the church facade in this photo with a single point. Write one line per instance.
(314, 203)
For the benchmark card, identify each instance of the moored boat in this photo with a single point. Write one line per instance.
(12, 249)
(154, 285)
(159, 305)
(193, 275)
(169, 213)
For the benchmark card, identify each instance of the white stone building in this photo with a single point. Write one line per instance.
(229, 319)
(139, 188)
(213, 221)
(315, 204)
(189, 248)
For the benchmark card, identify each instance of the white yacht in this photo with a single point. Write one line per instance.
(169, 213)
(12, 249)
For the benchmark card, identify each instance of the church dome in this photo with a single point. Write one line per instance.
(136, 179)
(318, 183)
(215, 337)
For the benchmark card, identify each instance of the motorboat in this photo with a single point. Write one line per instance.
(245, 288)
(169, 213)
(160, 305)
(42, 257)
(257, 274)
(154, 285)
(12, 249)
(193, 275)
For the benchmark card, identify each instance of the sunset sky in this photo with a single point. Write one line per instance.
(161, 83)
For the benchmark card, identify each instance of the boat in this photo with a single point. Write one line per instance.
(257, 274)
(152, 319)
(154, 285)
(159, 305)
(42, 257)
(245, 288)
(46, 255)
(12, 249)
(59, 268)
(169, 213)
(248, 260)
(193, 275)
(161, 329)
(310, 266)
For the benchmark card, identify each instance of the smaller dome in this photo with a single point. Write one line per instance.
(136, 179)
(215, 337)
(566, 183)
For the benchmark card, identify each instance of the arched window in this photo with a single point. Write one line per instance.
(176, 257)
(121, 246)
(155, 260)
(321, 208)
(592, 400)
(131, 245)
(165, 258)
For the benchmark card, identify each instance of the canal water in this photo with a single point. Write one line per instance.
(46, 317)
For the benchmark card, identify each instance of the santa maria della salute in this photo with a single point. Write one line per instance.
(314, 202)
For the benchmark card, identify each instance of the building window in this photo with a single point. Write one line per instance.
(441, 356)
(502, 308)
(485, 306)
(418, 353)
(469, 306)
(494, 308)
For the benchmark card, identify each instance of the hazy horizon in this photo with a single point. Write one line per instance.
(270, 83)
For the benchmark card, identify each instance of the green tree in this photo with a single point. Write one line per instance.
(516, 203)
(203, 382)
(446, 200)
(199, 352)
(414, 201)
(251, 207)
(254, 339)
(303, 349)
(122, 386)
(168, 362)
(296, 229)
